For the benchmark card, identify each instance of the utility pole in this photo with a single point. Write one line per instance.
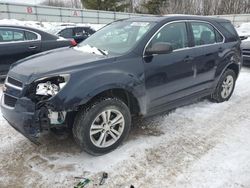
(132, 6)
(99, 4)
(82, 4)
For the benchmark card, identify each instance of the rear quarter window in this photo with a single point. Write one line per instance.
(30, 36)
(231, 33)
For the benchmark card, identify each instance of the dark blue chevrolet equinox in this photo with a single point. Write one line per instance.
(138, 66)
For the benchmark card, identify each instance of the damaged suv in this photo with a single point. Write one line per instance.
(137, 66)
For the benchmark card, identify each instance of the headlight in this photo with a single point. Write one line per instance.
(50, 86)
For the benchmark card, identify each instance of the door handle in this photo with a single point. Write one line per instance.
(188, 59)
(32, 47)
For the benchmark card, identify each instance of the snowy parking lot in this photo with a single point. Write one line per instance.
(200, 145)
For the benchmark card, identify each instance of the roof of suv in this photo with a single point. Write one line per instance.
(176, 17)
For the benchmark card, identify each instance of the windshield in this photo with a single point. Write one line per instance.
(116, 38)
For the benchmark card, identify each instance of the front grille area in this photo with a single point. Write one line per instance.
(14, 82)
(12, 92)
(246, 52)
(9, 101)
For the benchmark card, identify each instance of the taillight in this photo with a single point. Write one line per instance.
(73, 42)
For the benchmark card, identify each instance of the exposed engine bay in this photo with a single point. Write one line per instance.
(40, 92)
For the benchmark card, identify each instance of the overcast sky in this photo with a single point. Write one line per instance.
(22, 1)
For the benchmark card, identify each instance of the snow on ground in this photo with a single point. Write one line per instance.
(45, 25)
(200, 145)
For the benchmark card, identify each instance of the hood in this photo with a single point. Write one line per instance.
(52, 62)
(243, 31)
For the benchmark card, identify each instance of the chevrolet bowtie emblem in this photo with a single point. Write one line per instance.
(4, 88)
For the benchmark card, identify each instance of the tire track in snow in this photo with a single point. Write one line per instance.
(161, 150)
(193, 139)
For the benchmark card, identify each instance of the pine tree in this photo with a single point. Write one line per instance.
(108, 5)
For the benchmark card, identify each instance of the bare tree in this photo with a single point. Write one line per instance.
(199, 7)
(204, 7)
(63, 3)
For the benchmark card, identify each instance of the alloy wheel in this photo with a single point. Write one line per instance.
(107, 128)
(227, 86)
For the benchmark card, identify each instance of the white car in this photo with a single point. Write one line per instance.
(244, 30)
(244, 33)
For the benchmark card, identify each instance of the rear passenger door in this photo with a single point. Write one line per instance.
(208, 46)
(16, 44)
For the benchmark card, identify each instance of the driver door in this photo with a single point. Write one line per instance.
(169, 77)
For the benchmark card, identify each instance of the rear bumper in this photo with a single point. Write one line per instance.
(22, 117)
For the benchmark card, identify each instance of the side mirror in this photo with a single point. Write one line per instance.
(159, 48)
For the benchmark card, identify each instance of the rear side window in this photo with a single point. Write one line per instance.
(10, 35)
(219, 37)
(205, 34)
(30, 36)
(174, 33)
(18, 35)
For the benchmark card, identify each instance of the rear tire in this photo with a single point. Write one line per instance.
(225, 87)
(102, 126)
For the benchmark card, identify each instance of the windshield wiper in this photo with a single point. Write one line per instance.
(103, 52)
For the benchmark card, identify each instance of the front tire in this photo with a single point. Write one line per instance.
(102, 126)
(225, 87)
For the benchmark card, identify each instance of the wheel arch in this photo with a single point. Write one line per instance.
(235, 67)
(230, 61)
(129, 97)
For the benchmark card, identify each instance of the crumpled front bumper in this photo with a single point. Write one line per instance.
(22, 117)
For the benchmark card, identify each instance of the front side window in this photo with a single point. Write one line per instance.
(117, 38)
(174, 33)
(89, 31)
(79, 31)
(205, 34)
(10, 35)
(66, 33)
